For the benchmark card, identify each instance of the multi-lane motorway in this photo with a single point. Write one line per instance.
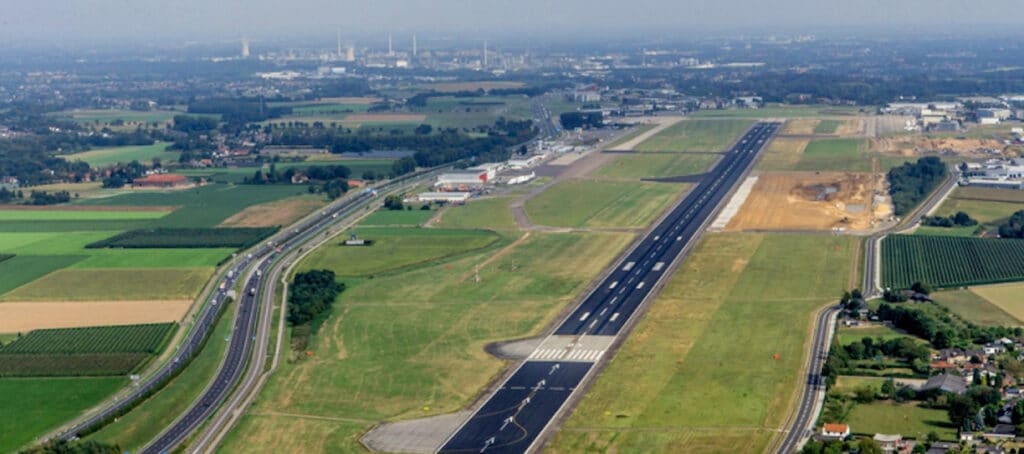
(521, 408)
(255, 262)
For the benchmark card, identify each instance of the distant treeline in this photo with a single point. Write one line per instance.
(443, 147)
(240, 110)
(420, 99)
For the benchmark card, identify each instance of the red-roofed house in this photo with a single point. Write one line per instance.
(166, 180)
(835, 431)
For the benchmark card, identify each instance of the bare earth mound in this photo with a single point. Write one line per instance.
(917, 145)
(814, 201)
(24, 317)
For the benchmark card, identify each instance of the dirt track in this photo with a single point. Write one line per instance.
(23, 317)
(812, 201)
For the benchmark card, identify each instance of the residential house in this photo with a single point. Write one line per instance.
(946, 382)
(892, 443)
(830, 431)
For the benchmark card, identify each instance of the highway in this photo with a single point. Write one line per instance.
(257, 261)
(814, 386)
(812, 394)
(519, 410)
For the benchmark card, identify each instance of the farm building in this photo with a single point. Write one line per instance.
(166, 180)
(462, 181)
(449, 197)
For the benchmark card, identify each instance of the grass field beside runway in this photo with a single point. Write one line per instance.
(411, 344)
(778, 111)
(704, 384)
(696, 135)
(396, 248)
(33, 406)
(490, 213)
(406, 218)
(636, 166)
(580, 203)
(835, 155)
(149, 418)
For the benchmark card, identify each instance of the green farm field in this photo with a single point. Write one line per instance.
(24, 244)
(1004, 296)
(950, 261)
(974, 308)
(141, 425)
(689, 394)
(988, 206)
(579, 203)
(696, 135)
(22, 269)
(636, 166)
(105, 157)
(849, 335)
(420, 334)
(397, 248)
(835, 155)
(33, 406)
(906, 419)
(113, 285)
(827, 127)
(79, 215)
(105, 116)
(204, 206)
(489, 213)
(101, 339)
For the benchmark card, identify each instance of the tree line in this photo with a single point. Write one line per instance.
(911, 183)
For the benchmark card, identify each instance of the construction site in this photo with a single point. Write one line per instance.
(799, 201)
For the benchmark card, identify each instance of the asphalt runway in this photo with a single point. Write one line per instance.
(515, 415)
(606, 309)
(603, 313)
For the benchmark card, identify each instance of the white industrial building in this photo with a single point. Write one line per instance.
(447, 197)
(518, 177)
(462, 181)
(525, 162)
(995, 173)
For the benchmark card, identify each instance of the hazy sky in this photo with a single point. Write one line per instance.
(63, 21)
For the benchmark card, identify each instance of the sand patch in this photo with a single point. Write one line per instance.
(22, 317)
(919, 145)
(802, 126)
(849, 128)
(270, 214)
(814, 201)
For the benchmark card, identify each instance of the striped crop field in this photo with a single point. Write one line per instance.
(946, 261)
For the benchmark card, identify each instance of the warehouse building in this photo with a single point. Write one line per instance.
(995, 173)
(446, 197)
(461, 181)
